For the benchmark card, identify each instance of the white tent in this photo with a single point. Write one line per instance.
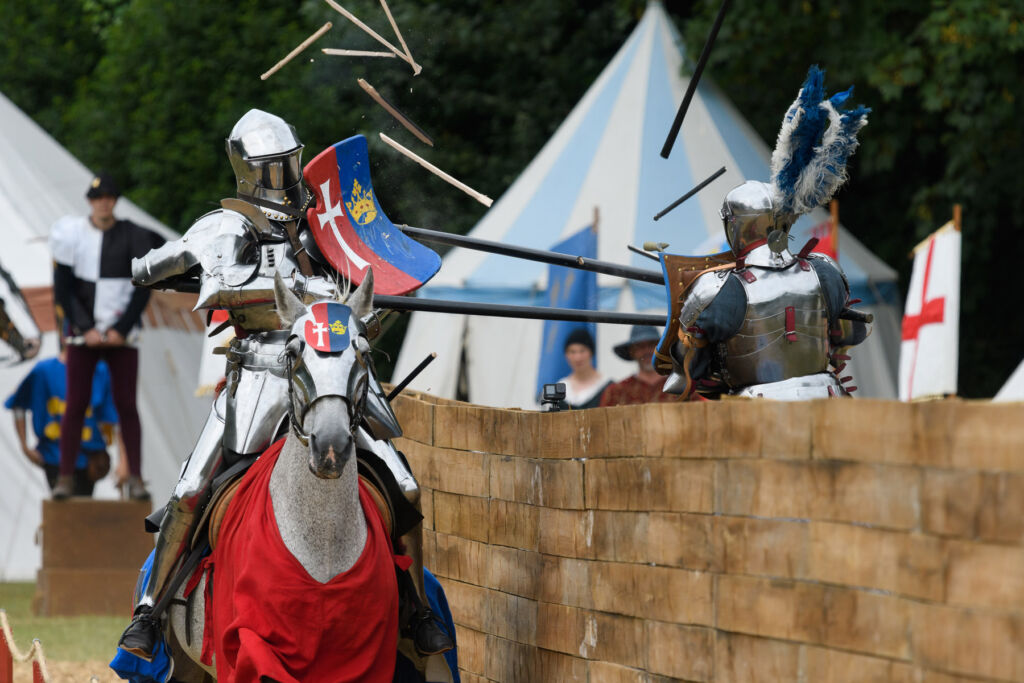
(40, 181)
(605, 155)
(1013, 390)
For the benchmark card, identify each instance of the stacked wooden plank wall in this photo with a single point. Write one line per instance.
(835, 541)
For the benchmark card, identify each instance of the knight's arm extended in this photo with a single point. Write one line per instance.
(712, 312)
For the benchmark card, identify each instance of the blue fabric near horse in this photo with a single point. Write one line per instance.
(138, 670)
(405, 672)
(131, 668)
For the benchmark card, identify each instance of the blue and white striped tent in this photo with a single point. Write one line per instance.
(605, 157)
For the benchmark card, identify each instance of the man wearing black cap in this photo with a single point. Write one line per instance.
(101, 310)
(646, 385)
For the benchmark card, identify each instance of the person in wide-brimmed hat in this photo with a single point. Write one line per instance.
(583, 387)
(646, 385)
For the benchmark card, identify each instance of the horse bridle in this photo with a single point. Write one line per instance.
(356, 405)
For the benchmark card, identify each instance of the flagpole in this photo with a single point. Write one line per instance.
(957, 215)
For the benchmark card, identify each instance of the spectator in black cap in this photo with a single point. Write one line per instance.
(646, 385)
(584, 386)
(102, 311)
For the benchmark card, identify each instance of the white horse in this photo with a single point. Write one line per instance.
(314, 486)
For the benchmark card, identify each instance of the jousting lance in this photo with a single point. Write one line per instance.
(540, 255)
(689, 194)
(574, 315)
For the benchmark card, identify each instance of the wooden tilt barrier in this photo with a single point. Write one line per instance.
(836, 541)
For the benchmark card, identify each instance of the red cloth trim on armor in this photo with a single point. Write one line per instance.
(808, 248)
(748, 276)
(751, 247)
(804, 265)
(271, 618)
(790, 324)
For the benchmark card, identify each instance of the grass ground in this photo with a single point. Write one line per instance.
(75, 647)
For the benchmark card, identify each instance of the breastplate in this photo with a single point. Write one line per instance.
(784, 332)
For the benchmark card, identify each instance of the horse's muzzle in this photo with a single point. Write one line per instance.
(327, 458)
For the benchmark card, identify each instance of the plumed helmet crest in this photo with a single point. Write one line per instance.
(817, 138)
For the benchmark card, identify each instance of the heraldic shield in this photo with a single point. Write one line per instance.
(351, 229)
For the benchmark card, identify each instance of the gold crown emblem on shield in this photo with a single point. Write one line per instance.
(361, 206)
(337, 327)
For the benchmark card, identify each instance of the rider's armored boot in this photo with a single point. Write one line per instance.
(427, 635)
(174, 539)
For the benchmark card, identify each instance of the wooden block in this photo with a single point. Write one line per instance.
(565, 434)
(666, 594)
(64, 592)
(507, 660)
(824, 665)
(763, 547)
(867, 622)
(453, 471)
(745, 659)
(1001, 517)
(686, 652)
(472, 650)
(970, 643)
(83, 533)
(866, 430)
(595, 534)
(625, 435)
(615, 638)
(650, 484)
(552, 483)
(461, 559)
(734, 428)
(832, 490)
(684, 540)
(606, 672)
(554, 667)
(469, 605)
(476, 428)
(464, 516)
(786, 430)
(676, 430)
(986, 575)
(988, 436)
(894, 561)
(515, 571)
(950, 500)
(469, 677)
(514, 524)
(789, 610)
(563, 628)
(416, 418)
(565, 581)
(512, 617)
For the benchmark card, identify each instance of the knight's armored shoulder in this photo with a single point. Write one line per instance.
(700, 295)
(824, 262)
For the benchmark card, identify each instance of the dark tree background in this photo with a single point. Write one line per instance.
(148, 89)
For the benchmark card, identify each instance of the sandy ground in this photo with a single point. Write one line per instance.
(69, 672)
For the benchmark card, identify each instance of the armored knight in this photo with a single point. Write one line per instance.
(234, 252)
(770, 323)
(18, 328)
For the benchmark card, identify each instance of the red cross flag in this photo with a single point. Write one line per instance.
(929, 351)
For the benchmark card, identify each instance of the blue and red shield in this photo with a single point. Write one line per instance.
(351, 229)
(328, 329)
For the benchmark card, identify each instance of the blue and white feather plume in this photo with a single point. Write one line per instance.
(816, 139)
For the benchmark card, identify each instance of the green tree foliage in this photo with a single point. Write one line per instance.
(148, 89)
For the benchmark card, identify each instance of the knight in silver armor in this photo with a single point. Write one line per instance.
(235, 252)
(769, 327)
(774, 324)
(18, 329)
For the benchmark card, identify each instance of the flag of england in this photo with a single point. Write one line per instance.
(929, 350)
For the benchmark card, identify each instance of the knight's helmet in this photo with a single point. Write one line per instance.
(266, 156)
(749, 215)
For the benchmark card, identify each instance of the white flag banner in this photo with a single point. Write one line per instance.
(929, 351)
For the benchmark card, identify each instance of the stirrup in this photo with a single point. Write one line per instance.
(141, 636)
(428, 637)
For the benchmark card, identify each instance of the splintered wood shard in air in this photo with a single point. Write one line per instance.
(393, 110)
(416, 68)
(482, 198)
(356, 53)
(394, 27)
(302, 46)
